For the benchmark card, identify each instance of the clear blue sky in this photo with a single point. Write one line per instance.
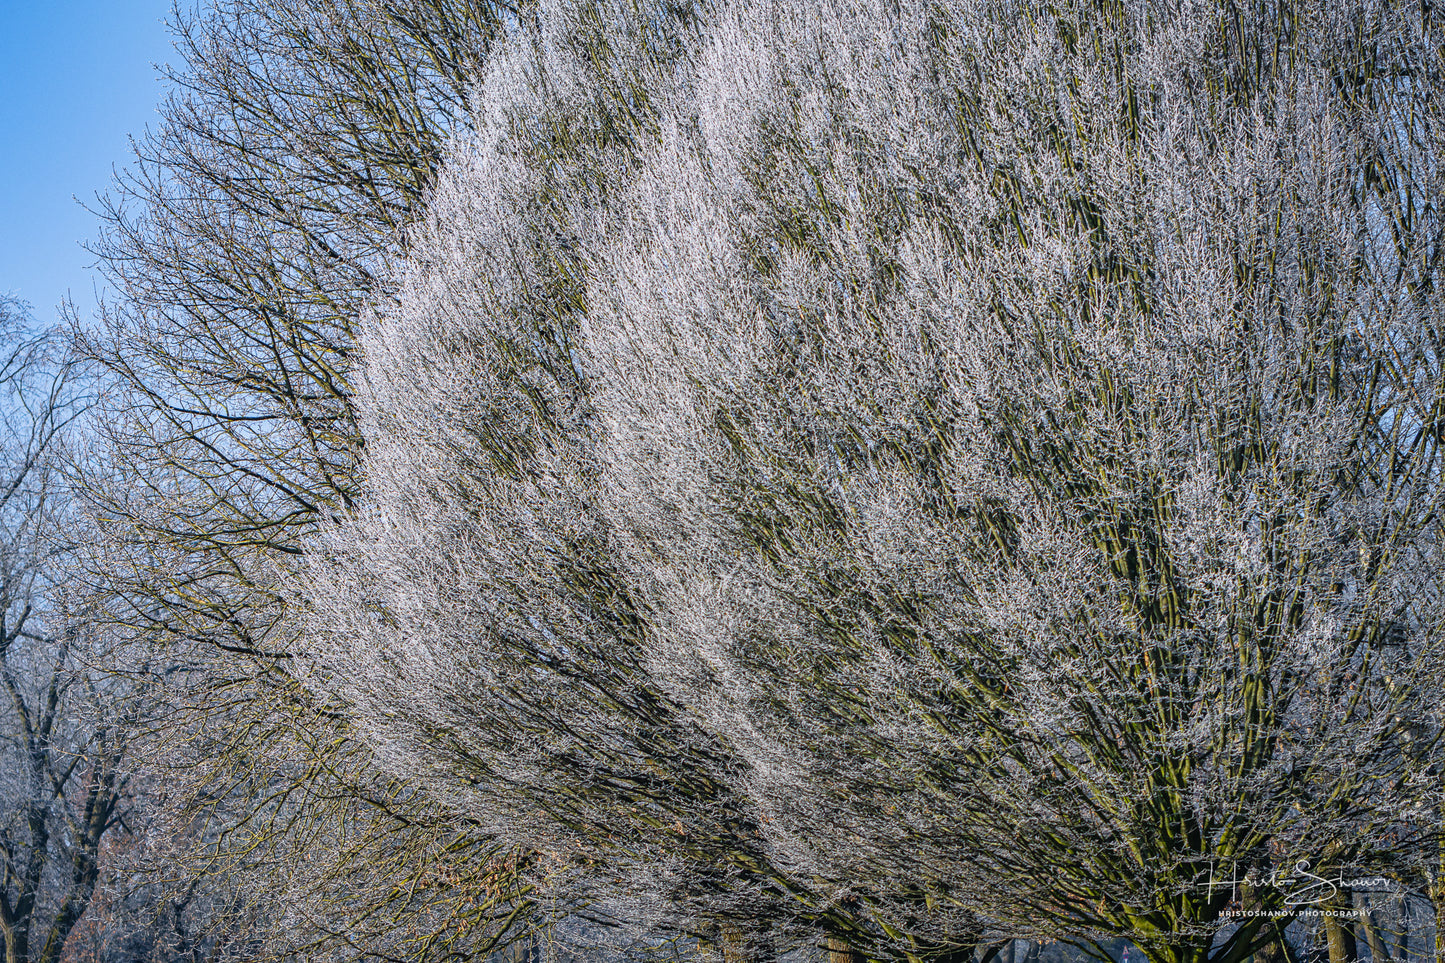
(76, 78)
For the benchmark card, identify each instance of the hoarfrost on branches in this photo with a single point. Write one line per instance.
(919, 470)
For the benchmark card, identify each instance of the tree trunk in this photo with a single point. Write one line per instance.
(1402, 951)
(1436, 892)
(841, 951)
(16, 948)
(1378, 952)
(1437, 899)
(1270, 952)
(1339, 933)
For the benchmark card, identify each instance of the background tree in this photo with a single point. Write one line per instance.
(996, 444)
(245, 241)
(257, 220)
(63, 730)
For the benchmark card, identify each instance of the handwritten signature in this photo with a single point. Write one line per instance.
(1301, 886)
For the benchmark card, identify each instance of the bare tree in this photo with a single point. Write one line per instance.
(254, 226)
(960, 465)
(62, 732)
(259, 218)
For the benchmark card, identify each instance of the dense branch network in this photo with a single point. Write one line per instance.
(964, 469)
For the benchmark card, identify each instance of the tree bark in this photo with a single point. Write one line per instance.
(1402, 945)
(1378, 951)
(1437, 903)
(1340, 933)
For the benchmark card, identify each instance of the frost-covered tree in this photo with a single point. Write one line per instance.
(963, 467)
(257, 219)
(62, 726)
(259, 216)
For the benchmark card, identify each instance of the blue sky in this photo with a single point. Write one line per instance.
(76, 78)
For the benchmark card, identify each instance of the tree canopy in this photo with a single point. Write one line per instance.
(919, 471)
(259, 218)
